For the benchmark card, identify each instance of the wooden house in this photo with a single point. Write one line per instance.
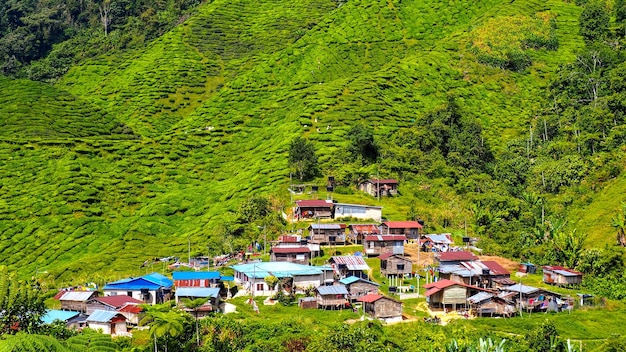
(358, 211)
(152, 288)
(349, 265)
(111, 303)
(410, 229)
(395, 265)
(380, 187)
(357, 232)
(313, 209)
(375, 245)
(488, 303)
(358, 287)
(558, 275)
(75, 300)
(381, 307)
(327, 233)
(528, 297)
(298, 255)
(108, 322)
(449, 294)
(196, 278)
(333, 297)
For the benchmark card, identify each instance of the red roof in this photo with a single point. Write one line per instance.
(369, 298)
(496, 268)
(289, 239)
(403, 224)
(314, 203)
(381, 238)
(118, 301)
(291, 250)
(131, 308)
(384, 181)
(457, 256)
(437, 286)
(372, 229)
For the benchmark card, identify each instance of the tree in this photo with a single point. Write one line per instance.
(104, 9)
(594, 21)
(21, 305)
(302, 159)
(195, 306)
(32, 343)
(362, 144)
(164, 324)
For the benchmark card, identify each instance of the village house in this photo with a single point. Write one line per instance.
(349, 265)
(450, 258)
(313, 209)
(211, 294)
(290, 241)
(327, 233)
(375, 245)
(358, 287)
(108, 322)
(295, 277)
(196, 278)
(487, 274)
(333, 297)
(298, 255)
(410, 229)
(378, 187)
(357, 232)
(111, 303)
(529, 298)
(446, 294)
(75, 300)
(395, 265)
(358, 211)
(436, 243)
(381, 307)
(560, 276)
(488, 303)
(152, 288)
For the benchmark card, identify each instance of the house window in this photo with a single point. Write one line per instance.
(129, 293)
(383, 264)
(400, 266)
(259, 287)
(371, 244)
(299, 256)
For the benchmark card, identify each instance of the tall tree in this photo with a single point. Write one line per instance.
(594, 21)
(21, 305)
(302, 159)
(362, 143)
(195, 306)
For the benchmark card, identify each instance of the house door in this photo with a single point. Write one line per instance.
(113, 328)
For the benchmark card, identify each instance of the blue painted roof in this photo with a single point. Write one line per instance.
(102, 316)
(228, 278)
(197, 292)
(278, 269)
(54, 314)
(159, 279)
(196, 275)
(152, 281)
(352, 279)
(332, 290)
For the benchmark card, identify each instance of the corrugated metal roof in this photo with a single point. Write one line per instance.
(522, 288)
(159, 279)
(332, 290)
(456, 256)
(369, 298)
(561, 270)
(348, 280)
(133, 284)
(380, 238)
(326, 226)
(102, 316)
(383, 181)
(480, 296)
(80, 296)
(196, 275)
(118, 301)
(403, 224)
(366, 229)
(54, 314)
(442, 238)
(227, 278)
(495, 268)
(352, 262)
(278, 269)
(197, 292)
(314, 203)
(302, 249)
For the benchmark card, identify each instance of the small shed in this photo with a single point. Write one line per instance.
(358, 287)
(307, 302)
(53, 315)
(333, 297)
(395, 265)
(528, 268)
(109, 322)
(382, 307)
(558, 275)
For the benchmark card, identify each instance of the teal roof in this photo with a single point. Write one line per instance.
(197, 292)
(54, 314)
(102, 316)
(278, 269)
(352, 279)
